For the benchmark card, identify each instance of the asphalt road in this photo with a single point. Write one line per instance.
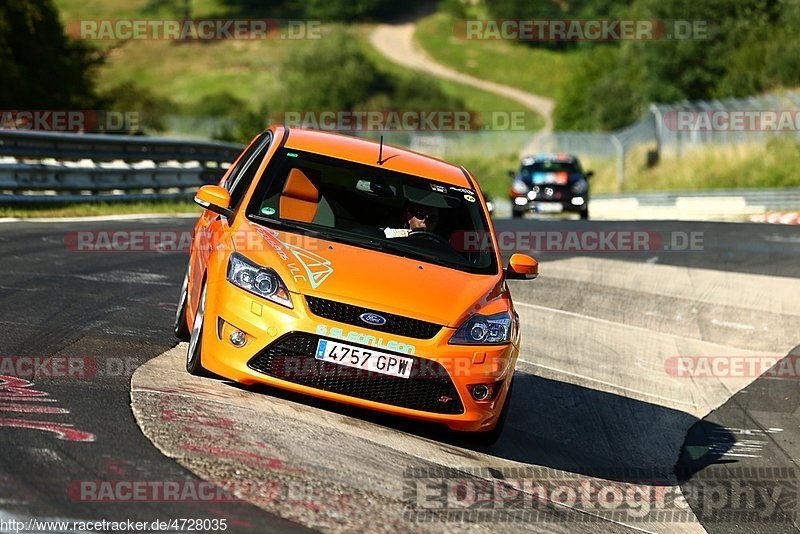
(594, 401)
(110, 312)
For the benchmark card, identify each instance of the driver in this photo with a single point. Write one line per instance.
(416, 217)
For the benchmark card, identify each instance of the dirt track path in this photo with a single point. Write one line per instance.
(396, 42)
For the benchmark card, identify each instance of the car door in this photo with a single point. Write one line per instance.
(211, 228)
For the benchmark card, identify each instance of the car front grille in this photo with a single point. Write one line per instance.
(349, 314)
(291, 358)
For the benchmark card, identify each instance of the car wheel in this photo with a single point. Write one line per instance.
(181, 328)
(490, 437)
(585, 214)
(517, 214)
(193, 354)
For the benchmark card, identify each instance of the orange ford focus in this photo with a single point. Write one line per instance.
(356, 272)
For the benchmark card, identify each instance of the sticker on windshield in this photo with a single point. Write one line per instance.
(268, 210)
(462, 190)
(469, 198)
(438, 188)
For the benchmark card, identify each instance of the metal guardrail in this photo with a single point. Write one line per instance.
(52, 167)
(717, 204)
(769, 199)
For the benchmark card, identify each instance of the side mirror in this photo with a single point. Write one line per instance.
(589, 174)
(511, 174)
(215, 198)
(521, 267)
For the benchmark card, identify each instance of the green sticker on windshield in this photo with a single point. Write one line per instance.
(268, 210)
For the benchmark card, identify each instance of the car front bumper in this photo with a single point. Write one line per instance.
(268, 326)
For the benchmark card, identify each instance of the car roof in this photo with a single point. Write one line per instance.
(560, 156)
(365, 151)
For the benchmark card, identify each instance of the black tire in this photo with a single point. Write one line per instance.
(194, 363)
(490, 437)
(517, 214)
(181, 328)
(585, 214)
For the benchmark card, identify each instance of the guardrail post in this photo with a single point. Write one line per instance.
(620, 161)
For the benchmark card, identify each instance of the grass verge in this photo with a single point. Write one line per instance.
(745, 166)
(87, 209)
(536, 70)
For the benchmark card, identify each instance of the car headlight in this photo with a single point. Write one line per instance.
(484, 329)
(579, 186)
(261, 281)
(519, 188)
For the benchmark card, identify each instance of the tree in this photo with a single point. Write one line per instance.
(42, 68)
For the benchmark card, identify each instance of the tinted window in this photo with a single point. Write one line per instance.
(551, 166)
(241, 180)
(373, 208)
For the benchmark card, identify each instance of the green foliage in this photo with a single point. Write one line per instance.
(129, 97)
(235, 121)
(458, 9)
(592, 99)
(41, 67)
(334, 73)
(752, 47)
(340, 10)
(323, 10)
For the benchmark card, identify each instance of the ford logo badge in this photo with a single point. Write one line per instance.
(373, 319)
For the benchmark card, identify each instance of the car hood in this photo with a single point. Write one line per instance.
(369, 278)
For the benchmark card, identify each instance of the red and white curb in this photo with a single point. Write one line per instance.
(777, 218)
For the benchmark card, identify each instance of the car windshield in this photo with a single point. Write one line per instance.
(550, 166)
(374, 208)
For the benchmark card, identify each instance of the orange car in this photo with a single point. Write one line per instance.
(355, 272)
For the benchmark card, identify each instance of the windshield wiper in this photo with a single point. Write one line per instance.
(355, 239)
(415, 253)
(328, 233)
(284, 225)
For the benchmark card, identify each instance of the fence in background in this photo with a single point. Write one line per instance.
(49, 167)
(658, 132)
(39, 166)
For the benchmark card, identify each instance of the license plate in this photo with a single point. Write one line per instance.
(549, 207)
(366, 359)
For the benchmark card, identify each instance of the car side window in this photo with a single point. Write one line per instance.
(242, 161)
(241, 179)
